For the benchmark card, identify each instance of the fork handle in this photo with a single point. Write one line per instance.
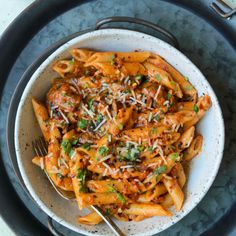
(52, 228)
(108, 220)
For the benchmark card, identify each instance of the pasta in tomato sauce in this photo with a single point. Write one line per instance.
(119, 127)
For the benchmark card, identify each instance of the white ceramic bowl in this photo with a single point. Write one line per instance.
(203, 168)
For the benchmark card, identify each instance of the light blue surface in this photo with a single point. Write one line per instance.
(201, 43)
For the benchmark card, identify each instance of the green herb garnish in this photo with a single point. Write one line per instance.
(66, 146)
(169, 96)
(150, 149)
(71, 153)
(140, 148)
(138, 77)
(99, 119)
(59, 175)
(157, 117)
(120, 197)
(133, 154)
(74, 142)
(160, 170)
(158, 78)
(195, 108)
(108, 211)
(86, 146)
(82, 124)
(90, 105)
(172, 82)
(103, 151)
(120, 126)
(174, 156)
(81, 176)
(186, 78)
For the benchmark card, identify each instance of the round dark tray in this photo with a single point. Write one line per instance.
(198, 40)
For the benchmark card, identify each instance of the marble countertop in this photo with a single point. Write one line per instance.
(7, 14)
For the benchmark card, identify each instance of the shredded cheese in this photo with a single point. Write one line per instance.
(105, 158)
(63, 116)
(135, 100)
(101, 123)
(90, 113)
(126, 167)
(107, 166)
(157, 92)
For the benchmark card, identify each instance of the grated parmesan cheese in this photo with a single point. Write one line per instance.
(107, 166)
(63, 116)
(135, 100)
(106, 158)
(90, 113)
(126, 167)
(102, 123)
(157, 93)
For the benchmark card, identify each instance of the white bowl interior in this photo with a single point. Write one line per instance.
(203, 168)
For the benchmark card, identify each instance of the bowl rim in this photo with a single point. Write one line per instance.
(50, 59)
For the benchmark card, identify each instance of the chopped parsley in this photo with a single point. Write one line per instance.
(120, 126)
(133, 154)
(120, 197)
(138, 77)
(157, 117)
(140, 148)
(81, 176)
(71, 153)
(195, 108)
(174, 156)
(75, 141)
(160, 170)
(66, 146)
(90, 105)
(186, 78)
(99, 119)
(130, 153)
(103, 151)
(108, 211)
(60, 176)
(150, 149)
(82, 124)
(158, 78)
(169, 96)
(172, 82)
(86, 146)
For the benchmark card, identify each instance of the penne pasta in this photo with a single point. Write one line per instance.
(184, 83)
(41, 114)
(91, 219)
(194, 149)
(175, 192)
(147, 210)
(120, 126)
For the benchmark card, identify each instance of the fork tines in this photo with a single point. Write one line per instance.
(40, 146)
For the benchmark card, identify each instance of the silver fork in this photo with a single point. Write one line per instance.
(40, 148)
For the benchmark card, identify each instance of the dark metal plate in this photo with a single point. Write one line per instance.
(201, 42)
